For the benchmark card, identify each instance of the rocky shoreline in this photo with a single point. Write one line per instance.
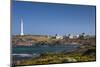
(86, 51)
(79, 55)
(44, 40)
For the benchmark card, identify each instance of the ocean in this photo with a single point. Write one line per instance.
(26, 52)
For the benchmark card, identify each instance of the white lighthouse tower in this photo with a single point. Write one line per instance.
(22, 33)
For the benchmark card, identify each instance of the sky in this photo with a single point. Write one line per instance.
(50, 19)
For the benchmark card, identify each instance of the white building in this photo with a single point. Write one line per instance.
(74, 36)
(77, 36)
(71, 36)
(59, 37)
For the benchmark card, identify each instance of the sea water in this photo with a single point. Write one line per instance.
(25, 52)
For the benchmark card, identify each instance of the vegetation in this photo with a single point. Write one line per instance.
(54, 58)
(86, 52)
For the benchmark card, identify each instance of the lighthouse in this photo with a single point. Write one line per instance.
(22, 32)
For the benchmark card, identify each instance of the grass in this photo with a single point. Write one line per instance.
(51, 58)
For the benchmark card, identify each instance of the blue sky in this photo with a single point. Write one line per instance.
(49, 19)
